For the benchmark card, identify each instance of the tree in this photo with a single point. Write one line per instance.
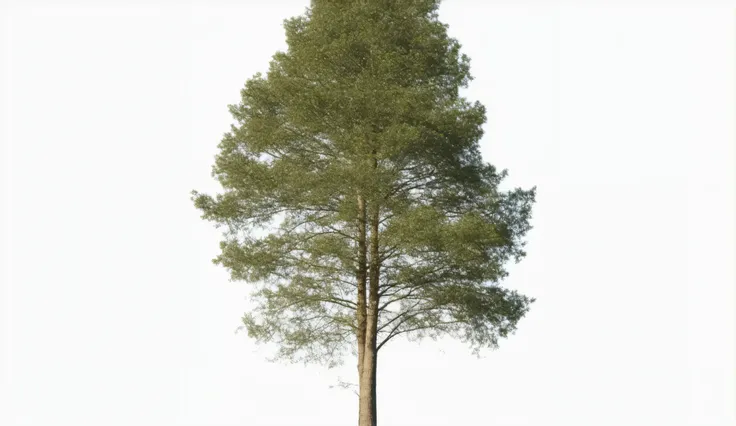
(355, 197)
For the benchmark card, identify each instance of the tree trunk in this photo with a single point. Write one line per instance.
(361, 314)
(367, 403)
(367, 406)
(367, 413)
(374, 399)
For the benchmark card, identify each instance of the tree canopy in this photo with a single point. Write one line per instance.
(354, 189)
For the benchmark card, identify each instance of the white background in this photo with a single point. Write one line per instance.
(112, 313)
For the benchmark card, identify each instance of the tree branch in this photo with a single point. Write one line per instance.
(409, 330)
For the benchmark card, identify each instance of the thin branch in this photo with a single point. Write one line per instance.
(397, 299)
(412, 314)
(409, 330)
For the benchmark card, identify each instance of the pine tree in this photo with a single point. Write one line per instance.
(356, 201)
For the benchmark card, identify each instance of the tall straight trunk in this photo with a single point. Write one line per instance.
(368, 402)
(374, 387)
(361, 314)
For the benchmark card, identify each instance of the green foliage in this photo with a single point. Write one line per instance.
(365, 104)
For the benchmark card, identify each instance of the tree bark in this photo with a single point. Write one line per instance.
(367, 405)
(374, 396)
(362, 273)
(368, 401)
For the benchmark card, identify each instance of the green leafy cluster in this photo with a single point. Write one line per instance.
(365, 105)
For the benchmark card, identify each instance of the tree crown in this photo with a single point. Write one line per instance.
(365, 105)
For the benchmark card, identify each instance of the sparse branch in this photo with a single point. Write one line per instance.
(404, 316)
(435, 325)
(341, 233)
(412, 184)
(398, 299)
(390, 253)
